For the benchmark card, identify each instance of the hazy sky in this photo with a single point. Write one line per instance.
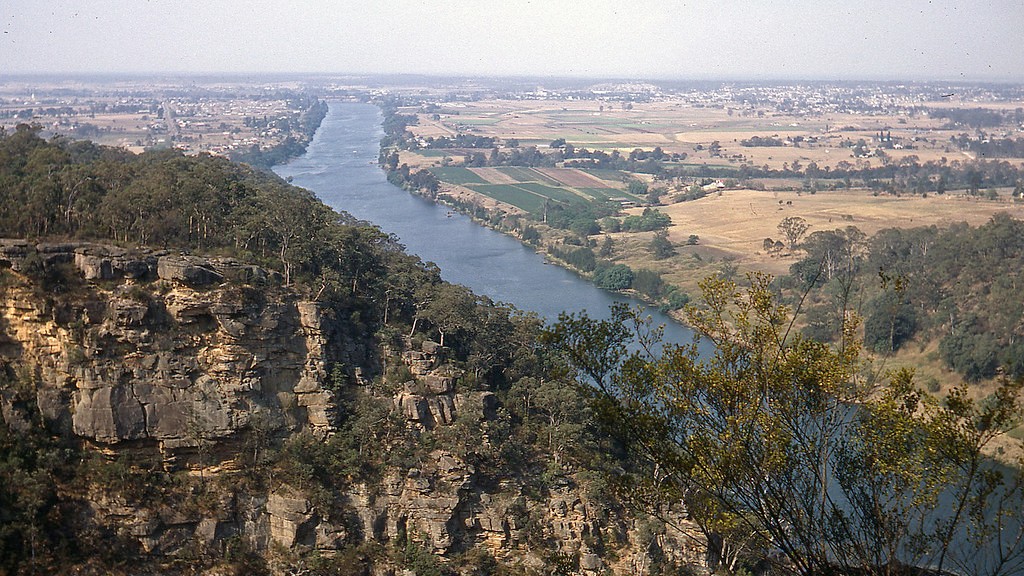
(788, 39)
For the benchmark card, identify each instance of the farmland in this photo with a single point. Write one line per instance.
(726, 165)
(528, 189)
(800, 142)
(793, 181)
(817, 125)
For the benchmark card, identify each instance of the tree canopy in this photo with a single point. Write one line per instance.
(775, 442)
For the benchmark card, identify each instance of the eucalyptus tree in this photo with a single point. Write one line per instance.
(780, 450)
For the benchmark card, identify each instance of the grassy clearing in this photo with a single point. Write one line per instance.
(511, 194)
(455, 175)
(557, 194)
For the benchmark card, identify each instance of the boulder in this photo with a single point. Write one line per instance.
(288, 516)
(187, 270)
(590, 562)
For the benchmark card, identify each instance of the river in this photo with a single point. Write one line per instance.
(340, 167)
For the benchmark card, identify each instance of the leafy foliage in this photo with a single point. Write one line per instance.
(957, 285)
(650, 219)
(614, 277)
(774, 442)
(661, 246)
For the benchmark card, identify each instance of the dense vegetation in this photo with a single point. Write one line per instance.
(306, 125)
(775, 444)
(540, 433)
(957, 285)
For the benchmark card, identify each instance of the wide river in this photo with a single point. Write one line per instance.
(340, 167)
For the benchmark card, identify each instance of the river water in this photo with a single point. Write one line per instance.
(340, 167)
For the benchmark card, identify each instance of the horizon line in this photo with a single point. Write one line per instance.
(5, 76)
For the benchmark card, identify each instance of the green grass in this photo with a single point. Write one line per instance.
(511, 194)
(557, 194)
(457, 175)
(606, 175)
(521, 174)
(433, 153)
(607, 193)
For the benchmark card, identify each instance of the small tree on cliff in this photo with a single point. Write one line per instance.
(451, 309)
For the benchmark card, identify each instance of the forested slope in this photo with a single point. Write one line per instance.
(202, 367)
(958, 285)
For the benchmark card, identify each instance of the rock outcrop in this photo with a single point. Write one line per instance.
(187, 364)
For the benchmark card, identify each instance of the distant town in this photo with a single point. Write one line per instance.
(234, 116)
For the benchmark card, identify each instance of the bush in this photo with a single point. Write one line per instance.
(974, 356)
(580, 258)
(677, 299)
(889, 324)
(648, 283)
(661, 246)
(646, 222)
(616, 277)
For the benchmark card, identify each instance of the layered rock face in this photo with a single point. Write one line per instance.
(183, 363)
(167, 358)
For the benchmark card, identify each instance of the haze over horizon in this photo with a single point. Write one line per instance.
(703, 39)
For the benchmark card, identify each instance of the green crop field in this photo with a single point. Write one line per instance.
(532, 187)
(513, 195)
(521, 174)
(456, 175)
(557, 194)
(517, 173)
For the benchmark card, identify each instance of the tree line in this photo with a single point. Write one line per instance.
(539, 433)
(957, 285)
(786, 458)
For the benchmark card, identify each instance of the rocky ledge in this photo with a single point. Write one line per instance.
(182, 364)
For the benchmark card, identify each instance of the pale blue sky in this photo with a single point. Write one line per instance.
(788, 39)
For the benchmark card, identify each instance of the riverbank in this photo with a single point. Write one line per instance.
(292, 146)
(340, 167)
(553, 244)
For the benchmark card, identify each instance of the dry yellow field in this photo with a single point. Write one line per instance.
(736, 222)
(733, 224)
(679, 126)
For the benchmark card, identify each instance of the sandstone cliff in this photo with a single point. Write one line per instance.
(177, 375)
